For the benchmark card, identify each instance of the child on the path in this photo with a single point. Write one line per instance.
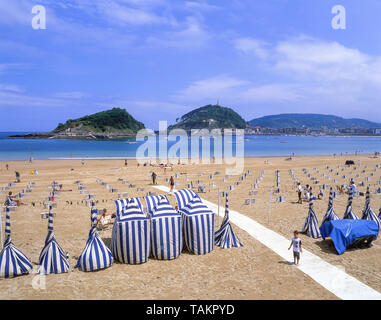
(296, 243)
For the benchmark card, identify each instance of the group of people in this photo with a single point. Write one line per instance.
(171, 180)
(304, 193)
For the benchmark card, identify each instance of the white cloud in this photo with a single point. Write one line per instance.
(212, 88)
(10, 87)
(76, 95)
(119, 13)
(252, 46)
(18, 99)
(201, 5)
(192, 35)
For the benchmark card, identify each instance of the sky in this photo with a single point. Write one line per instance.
(160, 59)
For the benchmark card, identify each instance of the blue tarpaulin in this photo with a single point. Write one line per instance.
(344, 232)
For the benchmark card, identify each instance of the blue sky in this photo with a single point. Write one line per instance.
(162, 58)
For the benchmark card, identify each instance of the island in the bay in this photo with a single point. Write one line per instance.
(114, 123)
(118, 123)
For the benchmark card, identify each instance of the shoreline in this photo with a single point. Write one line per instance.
(371, 155)
(368, 155)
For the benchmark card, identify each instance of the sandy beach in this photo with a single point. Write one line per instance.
(251, 272)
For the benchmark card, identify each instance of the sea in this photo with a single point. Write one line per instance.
(253, 146)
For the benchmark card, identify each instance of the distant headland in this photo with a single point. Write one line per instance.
(118, 123)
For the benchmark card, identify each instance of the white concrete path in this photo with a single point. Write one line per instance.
(330, 277)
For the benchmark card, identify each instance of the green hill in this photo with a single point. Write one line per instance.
(114, 120)
(209, 117)
(313, 121)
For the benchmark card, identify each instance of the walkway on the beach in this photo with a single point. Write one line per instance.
(330, 277)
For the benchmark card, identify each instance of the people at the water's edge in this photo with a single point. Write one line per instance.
(296, 245)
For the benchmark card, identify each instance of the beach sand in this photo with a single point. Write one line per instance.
(250, 272)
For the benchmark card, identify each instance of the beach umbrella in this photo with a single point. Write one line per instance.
(379, 213)
(349, 214)
(198, 221)
(95, 255)
(311, 226)
(12, 261)
(52, 257)
(368, 213)
(225, 236)
(330, 214)
(166, 232)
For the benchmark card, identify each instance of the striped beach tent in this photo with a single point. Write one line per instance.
(368, 213)
(52, 258)
(198, 222)
(95, 255)
(349, 214)
(12, 261)
(184, 196)
(153, 201)
(130, 239)
(121, 204)
(330, 214)
(225, 236)
(166, 232)
(311, 225)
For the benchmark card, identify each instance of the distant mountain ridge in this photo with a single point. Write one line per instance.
(209, 117)
(312, 121)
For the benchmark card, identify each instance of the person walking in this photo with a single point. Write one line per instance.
(296, 243)
(300, 191)
(154, 178)
(172, 183)
(17, 176)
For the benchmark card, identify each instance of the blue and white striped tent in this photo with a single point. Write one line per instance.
(330, 214)
(52, 257)
(130, 240)
(12, 261)
(225, 236)
(311, 225)
(153, 201)
(166, 232)
(123, 203)
(349, 214)
(368, 213)
(184, 196)
(198, 223)
(95, 255)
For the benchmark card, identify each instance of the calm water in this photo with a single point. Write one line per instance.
(22, 149)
